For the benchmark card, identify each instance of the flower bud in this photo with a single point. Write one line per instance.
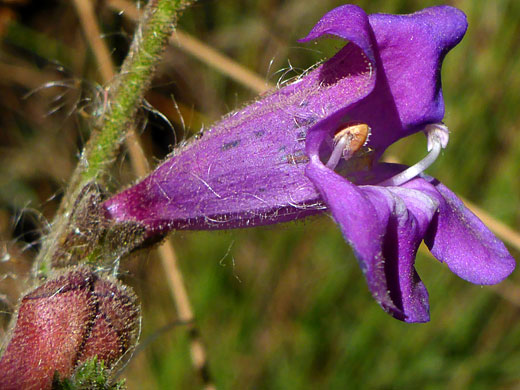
(73, 317)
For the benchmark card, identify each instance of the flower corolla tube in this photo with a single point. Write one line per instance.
(314, 146)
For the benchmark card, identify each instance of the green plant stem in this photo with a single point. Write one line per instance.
(123, 99)
(131, 83)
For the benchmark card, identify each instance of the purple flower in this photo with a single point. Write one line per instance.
(313, 146)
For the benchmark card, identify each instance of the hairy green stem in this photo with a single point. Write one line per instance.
(131, 83)
(123, 99)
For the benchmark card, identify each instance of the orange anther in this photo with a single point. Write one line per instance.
(355, 135)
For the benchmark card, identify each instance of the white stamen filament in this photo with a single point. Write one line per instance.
(438, 136)
(416, 169)
(350, 138)
(337, 153)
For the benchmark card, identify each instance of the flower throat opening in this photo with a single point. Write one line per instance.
(351, 141)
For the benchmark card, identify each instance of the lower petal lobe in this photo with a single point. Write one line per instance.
(460, 239)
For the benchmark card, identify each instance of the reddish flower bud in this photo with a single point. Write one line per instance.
(67, 320)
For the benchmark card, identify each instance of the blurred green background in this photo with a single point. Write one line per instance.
(282, 307)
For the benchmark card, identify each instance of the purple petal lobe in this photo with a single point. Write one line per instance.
(410, 51)
(384, 226)
(462, 241)
(455, 235)
(412, 48)
(362, 224)
(410, 214)
(348, 22)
